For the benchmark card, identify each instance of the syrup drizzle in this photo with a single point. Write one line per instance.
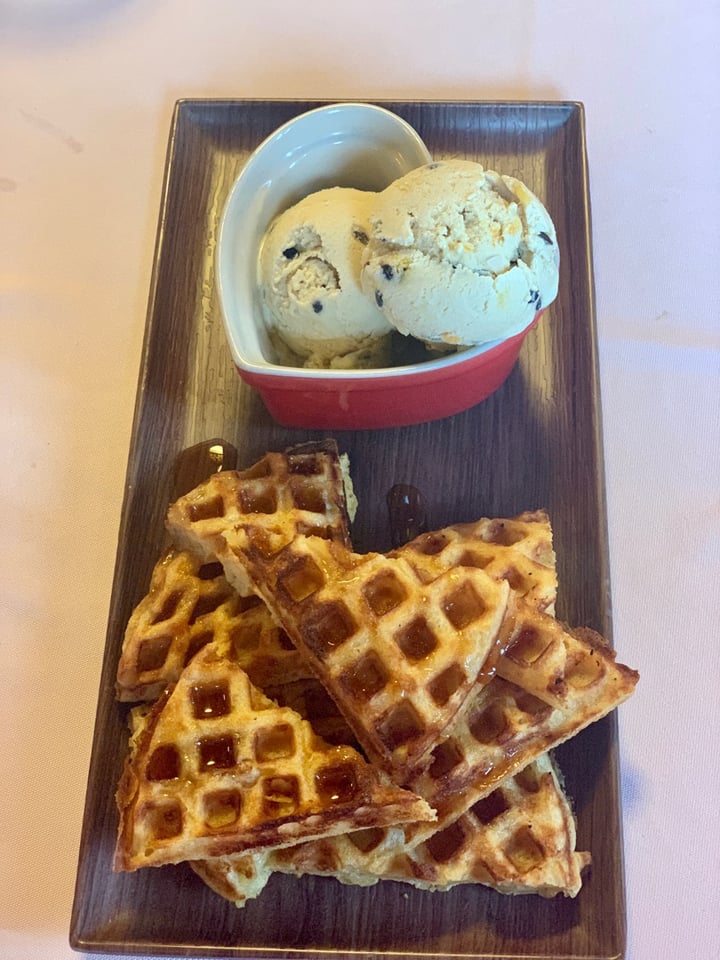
(197, 463)
(497, 650)
(407, 512)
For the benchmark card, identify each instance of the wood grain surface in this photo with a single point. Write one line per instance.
(535, 443)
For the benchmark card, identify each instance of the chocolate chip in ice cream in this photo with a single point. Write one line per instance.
(315, 312)
(465, 247)
(535, 298)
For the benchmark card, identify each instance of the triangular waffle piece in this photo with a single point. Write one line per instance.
(519, 550)
(398, 653)
(190, 604)
(218, 768)
(518, 840)
(308, 487)
(243, 877)
(552, 661)
(239, 877)
(501, 728)
(536, 652)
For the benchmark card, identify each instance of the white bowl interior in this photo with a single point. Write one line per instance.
(346, 145)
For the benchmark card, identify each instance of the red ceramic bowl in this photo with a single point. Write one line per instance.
(367, 147)
(391, 397)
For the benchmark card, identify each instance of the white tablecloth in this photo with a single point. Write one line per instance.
(86, 93)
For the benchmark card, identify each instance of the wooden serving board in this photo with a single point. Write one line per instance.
(535, 443)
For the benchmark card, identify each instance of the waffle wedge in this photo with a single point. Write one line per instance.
(502, 728)
(307, 488)
(518, 840)
(518, 549)
(190, 604)
(218, 768)
(536, 652)
(398, 653)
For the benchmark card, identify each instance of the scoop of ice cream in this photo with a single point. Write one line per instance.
(314, 307)
(460, 255)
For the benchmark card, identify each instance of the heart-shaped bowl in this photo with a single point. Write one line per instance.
(348, 145)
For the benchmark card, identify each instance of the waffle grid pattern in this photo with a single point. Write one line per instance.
(188, 605)
(305, 486)
(519, 839)
(218, 767)
(398, 654)
(442, 659)
(500, 729)
(518, 550)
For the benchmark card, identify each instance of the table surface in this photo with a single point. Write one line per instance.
(86, 97)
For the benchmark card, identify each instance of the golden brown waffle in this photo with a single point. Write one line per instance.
(552, 661)
(397, 653)
(239, 877)
(218, 768)
(519, 550)
(518, 840)
(190, 604)
(536, 652)
(244, 876)
(501, 728)
(308, 487)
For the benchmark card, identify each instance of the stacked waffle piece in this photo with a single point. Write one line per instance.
(361, 716)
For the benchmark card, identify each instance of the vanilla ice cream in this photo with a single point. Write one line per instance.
(459, 255)
(309, 278)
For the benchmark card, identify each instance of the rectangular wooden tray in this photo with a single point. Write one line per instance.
(535, 443)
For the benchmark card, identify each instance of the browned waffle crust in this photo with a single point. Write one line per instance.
(398, 653)
(307, 486)
(535, 651)
(443, 656)
(218, 768)
(190, 604)
(501, 728)
(518, 840)
(518, 549)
